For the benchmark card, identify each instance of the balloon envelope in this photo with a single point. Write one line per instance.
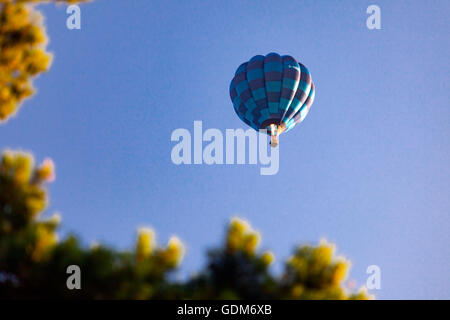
(272, 92)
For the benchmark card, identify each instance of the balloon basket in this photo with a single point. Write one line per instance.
(273, 141)
(274, 132)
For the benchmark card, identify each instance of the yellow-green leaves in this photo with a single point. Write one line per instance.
(145, 243)
(23, 54)
(45, 238)
(146, 249)
(22, 193)
(316, 273)
(241, 236)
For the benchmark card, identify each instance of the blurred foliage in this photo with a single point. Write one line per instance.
(33, 262)
(23, 54)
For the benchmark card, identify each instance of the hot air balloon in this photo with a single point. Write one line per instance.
(272, 92)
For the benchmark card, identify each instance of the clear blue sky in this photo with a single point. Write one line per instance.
(368, 169)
